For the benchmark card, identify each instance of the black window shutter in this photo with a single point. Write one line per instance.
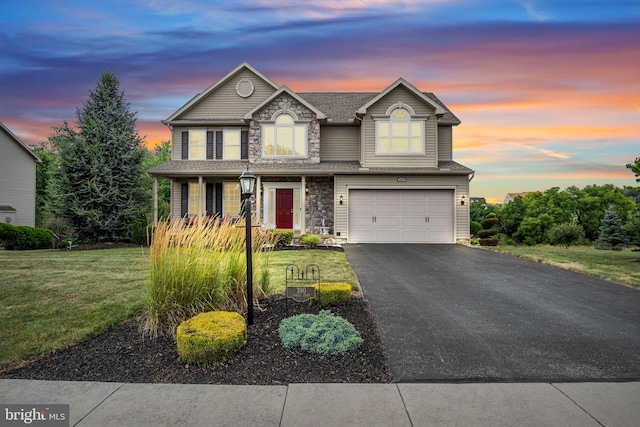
(209, 198)
(244, 144)
(185, 145)
(209, 144)
(218, 144)
(184, 201)
(219, 199)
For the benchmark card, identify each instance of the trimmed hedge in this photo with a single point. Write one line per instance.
(324, 333)
(328, 294)
(310, 240)
(23, 237)
(212, 337)
(280, 237)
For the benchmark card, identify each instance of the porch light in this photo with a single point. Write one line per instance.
(463, 199)
(341, 199)
(247, 182)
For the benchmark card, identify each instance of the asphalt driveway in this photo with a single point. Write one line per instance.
(454, 313)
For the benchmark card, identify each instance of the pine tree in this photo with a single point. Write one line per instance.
(612, 233)
(96, 184)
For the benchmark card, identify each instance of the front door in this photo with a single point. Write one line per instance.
(284, 208)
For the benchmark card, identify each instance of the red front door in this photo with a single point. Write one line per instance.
(284, 208)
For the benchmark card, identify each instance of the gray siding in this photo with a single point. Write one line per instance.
(339, 143)
(459, 183)
(445, 143)
(400, 94)
(17, 181)
(225, 102)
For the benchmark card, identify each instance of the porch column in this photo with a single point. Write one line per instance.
(155, 202)
(258, 199)
(303, 202)
(201, 196)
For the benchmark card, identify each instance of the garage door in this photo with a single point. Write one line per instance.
(411, 216)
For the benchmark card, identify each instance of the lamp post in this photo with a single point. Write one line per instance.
(247, 182)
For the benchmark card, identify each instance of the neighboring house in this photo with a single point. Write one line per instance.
(510, 197)
(371, 167)
(17, 180)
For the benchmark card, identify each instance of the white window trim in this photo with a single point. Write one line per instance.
(295, 124)
(412, 119)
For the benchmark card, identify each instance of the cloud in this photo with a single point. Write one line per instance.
(533, 11)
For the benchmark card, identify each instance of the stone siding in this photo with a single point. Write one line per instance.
(319, 203)
(284, 103)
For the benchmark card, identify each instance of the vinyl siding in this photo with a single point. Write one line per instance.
(339, 143)
(17, 181)
(445, 143)
(225, 101)
(400, 94)
(458, 183)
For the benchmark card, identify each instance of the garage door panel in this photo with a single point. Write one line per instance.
(404, 215)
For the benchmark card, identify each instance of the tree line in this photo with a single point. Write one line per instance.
(536, 217)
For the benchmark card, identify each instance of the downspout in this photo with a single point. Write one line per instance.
(155, 202)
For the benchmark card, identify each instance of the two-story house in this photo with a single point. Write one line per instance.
(370, 167)
(17, 180)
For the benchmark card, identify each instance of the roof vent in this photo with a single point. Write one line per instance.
(244, 88)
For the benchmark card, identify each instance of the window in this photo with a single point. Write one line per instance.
(194, 198)
(231, 199)
(285, 137)
(399, 134)
(197, 144)
(231, 145)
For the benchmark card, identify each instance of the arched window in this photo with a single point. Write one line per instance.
(400, 134)
(284, 137)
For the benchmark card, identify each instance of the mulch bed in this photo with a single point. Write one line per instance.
(122, 354)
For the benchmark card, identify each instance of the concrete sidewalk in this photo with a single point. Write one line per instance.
(486, 404)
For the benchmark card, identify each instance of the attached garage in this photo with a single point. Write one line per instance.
(401, 215)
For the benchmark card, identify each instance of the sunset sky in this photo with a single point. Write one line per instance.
(548, 91)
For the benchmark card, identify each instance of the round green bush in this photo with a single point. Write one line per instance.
(211, 337)
(324, 333)
(474, 227)
(310, 239)
(484, 234)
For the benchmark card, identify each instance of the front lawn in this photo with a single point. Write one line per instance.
(51, 299)
(617, 266)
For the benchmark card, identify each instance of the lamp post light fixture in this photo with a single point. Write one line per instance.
(247, 183)
(463, 199)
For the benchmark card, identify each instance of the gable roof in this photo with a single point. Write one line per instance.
(217, 84)
(440, 111)
(319, 114)
(20, 143)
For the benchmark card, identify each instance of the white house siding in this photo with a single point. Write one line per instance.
(17, 181)
(339, 143)
(459, 184)
(400, 94)
(445, 143)
(225, 101)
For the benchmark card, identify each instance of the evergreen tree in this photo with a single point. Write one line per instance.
(612, 233)
(96, 183)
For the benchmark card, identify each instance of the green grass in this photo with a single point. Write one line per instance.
(334, 266)
(52, 299)
(617, 266)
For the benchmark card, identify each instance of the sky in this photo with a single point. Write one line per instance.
(548, 91)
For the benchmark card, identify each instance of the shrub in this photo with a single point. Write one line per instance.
(484, 234)
(311, 240)
(332, 294)
(612, 234)
(280, 237)
(323, 333)
(23, 237)
(474, 227)
(211, 338)
(487, 232)
(489, 221)
(565, 234)
(489, 241)
(201, 268)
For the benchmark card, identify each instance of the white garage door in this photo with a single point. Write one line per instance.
(410, 216)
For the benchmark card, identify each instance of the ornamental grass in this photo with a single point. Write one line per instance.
(200, 268)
